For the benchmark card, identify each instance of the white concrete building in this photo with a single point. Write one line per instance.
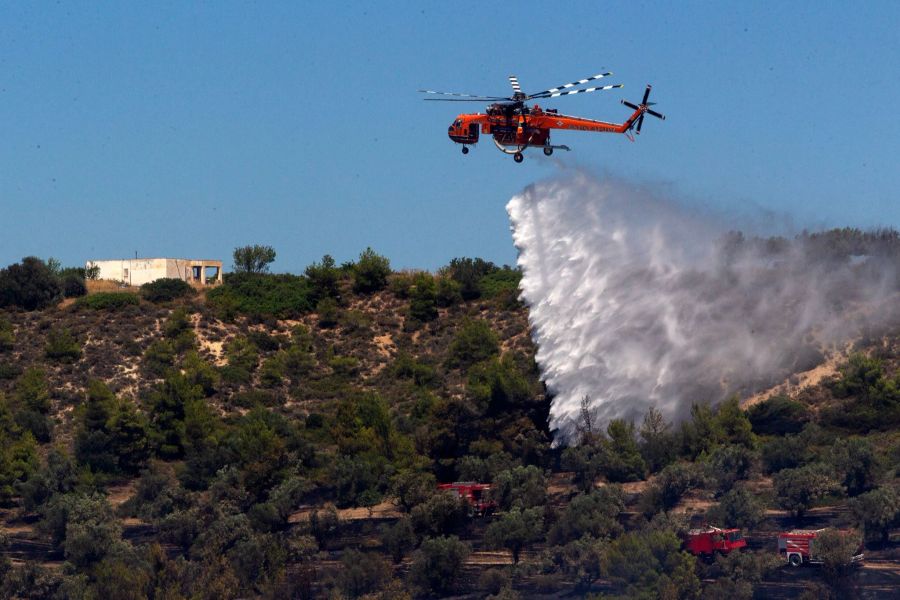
(138, 271)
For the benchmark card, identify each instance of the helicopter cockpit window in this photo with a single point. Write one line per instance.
(457, 123)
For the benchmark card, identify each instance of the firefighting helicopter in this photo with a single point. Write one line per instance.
(516, 126)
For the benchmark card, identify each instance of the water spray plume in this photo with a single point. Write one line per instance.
(636, 301)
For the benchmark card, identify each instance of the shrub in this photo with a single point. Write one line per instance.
(324, 279)
(7, 335)
(878, 511)
(468, 273)
(398, 539)
(778, 415)
(522, 487)
(651, 564)
(515, 530)
(593, 514)
(371, 272)
(62, 346)
(30, 285)
(166, 290)
(737, 508)
(108, 301)
(501, 281)
(362, 573)
(438, 564)
(329, 314)
(159, 357)
(73, 286)
(448, 292)
(473, 343)
(856, 464)
(260, 295)
(423, 299)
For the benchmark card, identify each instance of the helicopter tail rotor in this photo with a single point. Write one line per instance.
(645, 109)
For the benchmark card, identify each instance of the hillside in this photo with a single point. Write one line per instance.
(283, 436)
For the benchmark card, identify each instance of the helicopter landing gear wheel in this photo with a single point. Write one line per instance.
(465, 150)
(548, 151)
(518, 157)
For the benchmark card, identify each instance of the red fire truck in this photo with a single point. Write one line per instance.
(798, 547)
(476, 495)
(712, 540)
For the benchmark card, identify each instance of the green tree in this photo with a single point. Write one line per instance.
(702, 432)
(324, 279)
(438, 564)
(670, 486)
(32, 403)
(623, 460)
(362, 574)
(370, 274)
(799, 489)
(650, 564)
(84, 526)
(474, 342)
(413, 487)
(515, 530)
(658, 444)
(468, 273)
(93, 441)
(728, 464)
(836, 550)
(168, 404)
(738, 508)
(878, 511)
(520, 487)
(734, 424)
(253, 259)
(129, 433)
(778, 415)
(594, 514)
(787, 452)
(441, 514)
(423, 298)
(30, 285)
(399, 538)
(855, 462)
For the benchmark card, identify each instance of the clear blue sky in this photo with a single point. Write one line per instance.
(186, 129)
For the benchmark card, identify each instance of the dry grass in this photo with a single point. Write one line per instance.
(105, 285)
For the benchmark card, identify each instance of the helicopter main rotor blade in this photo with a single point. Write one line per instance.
(514, 82)
(565, 86)
(473, 96)
(466, 99)
(584, 91)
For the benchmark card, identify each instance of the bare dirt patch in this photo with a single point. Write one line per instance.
(804, 379)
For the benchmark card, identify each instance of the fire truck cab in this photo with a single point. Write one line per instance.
(713, 540)
(476, 495)
(798, 547)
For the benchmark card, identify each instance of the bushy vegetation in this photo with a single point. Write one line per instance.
(166, 290)
(261, 295)
(108, 301)
(286, 437)
(30, 285)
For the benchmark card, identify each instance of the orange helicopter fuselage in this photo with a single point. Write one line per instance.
(531, 127)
